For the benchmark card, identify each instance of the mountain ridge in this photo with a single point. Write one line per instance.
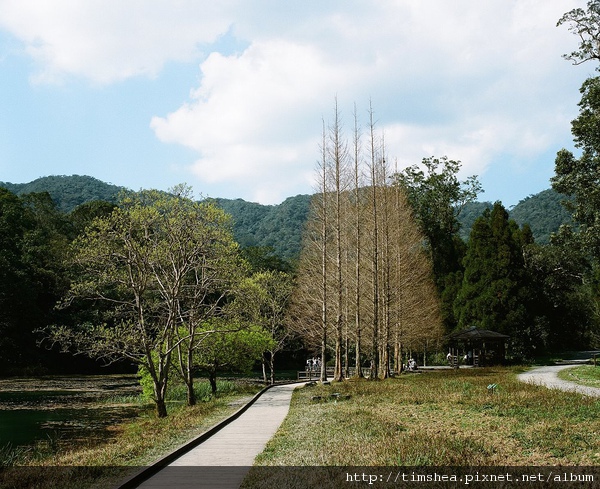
(280, 226)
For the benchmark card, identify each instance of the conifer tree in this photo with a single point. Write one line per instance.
(495, 293)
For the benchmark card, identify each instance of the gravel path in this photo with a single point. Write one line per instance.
(547, 376)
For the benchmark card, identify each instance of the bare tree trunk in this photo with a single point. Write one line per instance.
(357, 251)
(159, 378)
(324, 258)
(189, 381)
(264, 370)
(272, 366)
(212, 378)
(338, 155)
(375, 252)
(386, 266)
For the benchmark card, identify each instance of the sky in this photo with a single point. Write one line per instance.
(230, 96)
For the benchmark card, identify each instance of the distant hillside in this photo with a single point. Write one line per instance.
(469, 214)
(543, 212)
(68, 191)
(280, 226)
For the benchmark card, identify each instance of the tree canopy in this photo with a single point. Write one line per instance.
(586, 25)
(161, 262)
(495, 292)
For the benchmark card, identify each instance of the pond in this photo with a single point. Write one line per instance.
(62, 410)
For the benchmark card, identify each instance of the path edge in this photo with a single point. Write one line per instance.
(136, 479)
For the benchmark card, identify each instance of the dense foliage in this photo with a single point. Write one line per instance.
(32, 239)
(68, 192)
(275, 226)
(495, 292)
(35, 230)
(438, 198)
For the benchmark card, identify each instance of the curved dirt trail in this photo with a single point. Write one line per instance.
(547, 376)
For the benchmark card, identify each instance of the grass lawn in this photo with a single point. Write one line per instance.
(584, 375)
(444, 418)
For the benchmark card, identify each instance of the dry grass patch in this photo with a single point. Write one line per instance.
(136, 444)
(437, 418)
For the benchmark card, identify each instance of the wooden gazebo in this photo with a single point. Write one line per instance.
(477, 347)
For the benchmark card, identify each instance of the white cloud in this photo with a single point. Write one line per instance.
(477, 81)
(253, 118)
(111, 40)
(465, 79)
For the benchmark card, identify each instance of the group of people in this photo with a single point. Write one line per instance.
(313, 364)
(467, 358)
(412, 365)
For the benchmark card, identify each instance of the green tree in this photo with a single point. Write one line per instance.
(231, 348)
(83, 215)
(495, 291)
(263, 300)
(146, 260)
(32, 276)
(438, 197)
(561, 273)
(585, 24)
(579, 178)
(44, 252)
(264, 258)
(214, 270)
(16, 298)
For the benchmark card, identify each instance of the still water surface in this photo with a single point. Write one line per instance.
(63, 409)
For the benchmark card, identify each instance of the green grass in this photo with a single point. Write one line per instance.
(585, 375)
(440, 419)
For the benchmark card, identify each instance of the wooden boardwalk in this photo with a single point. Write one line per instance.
(223, 460)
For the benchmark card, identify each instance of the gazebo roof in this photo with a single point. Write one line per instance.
(473, 333)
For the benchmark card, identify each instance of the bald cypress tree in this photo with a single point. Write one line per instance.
(363, 258)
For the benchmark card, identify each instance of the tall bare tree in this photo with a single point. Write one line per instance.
(357, 209)
(337, 153)
(365, 249)
(374, 183)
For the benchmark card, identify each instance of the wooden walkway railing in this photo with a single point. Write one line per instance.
(316, 374)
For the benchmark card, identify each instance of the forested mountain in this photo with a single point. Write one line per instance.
(67, 192)
(543, 212)
(280, 226)
(276, 226)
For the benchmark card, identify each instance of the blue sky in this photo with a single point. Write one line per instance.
(229, 96)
